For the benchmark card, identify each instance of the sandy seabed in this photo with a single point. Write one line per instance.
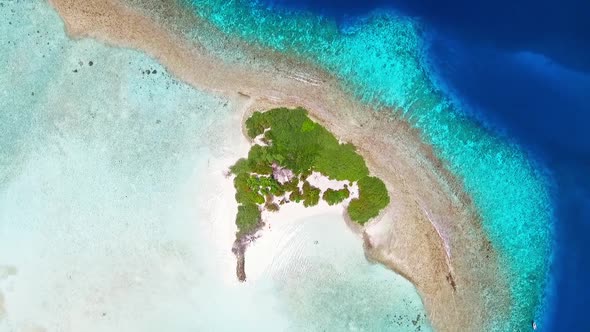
(430, 233)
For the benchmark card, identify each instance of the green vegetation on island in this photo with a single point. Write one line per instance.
(370, 201)
(293, 147)
(333, 197)
(311, 195)
(301, 145)
(248, 217)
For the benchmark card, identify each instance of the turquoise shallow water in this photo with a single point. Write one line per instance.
(114, 213)
(381, 60)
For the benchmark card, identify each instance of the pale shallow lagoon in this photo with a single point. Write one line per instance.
(115, 214)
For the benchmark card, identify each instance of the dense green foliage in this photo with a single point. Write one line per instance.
(248, 218)
(297, 143)
(303, 145)
(311, 195)
(333, 197)
(241, 166)
(341, 163)
(372, 198)
(245, 193)
(292, 185)
(296, 196)
(260, 160)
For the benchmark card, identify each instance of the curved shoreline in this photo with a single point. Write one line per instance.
(404, 238)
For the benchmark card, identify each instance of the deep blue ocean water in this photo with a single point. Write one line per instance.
(522, 69)
(519, 69)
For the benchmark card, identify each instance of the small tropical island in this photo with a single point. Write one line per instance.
(287, 149)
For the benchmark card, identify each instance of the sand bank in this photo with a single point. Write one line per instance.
(451, 267)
